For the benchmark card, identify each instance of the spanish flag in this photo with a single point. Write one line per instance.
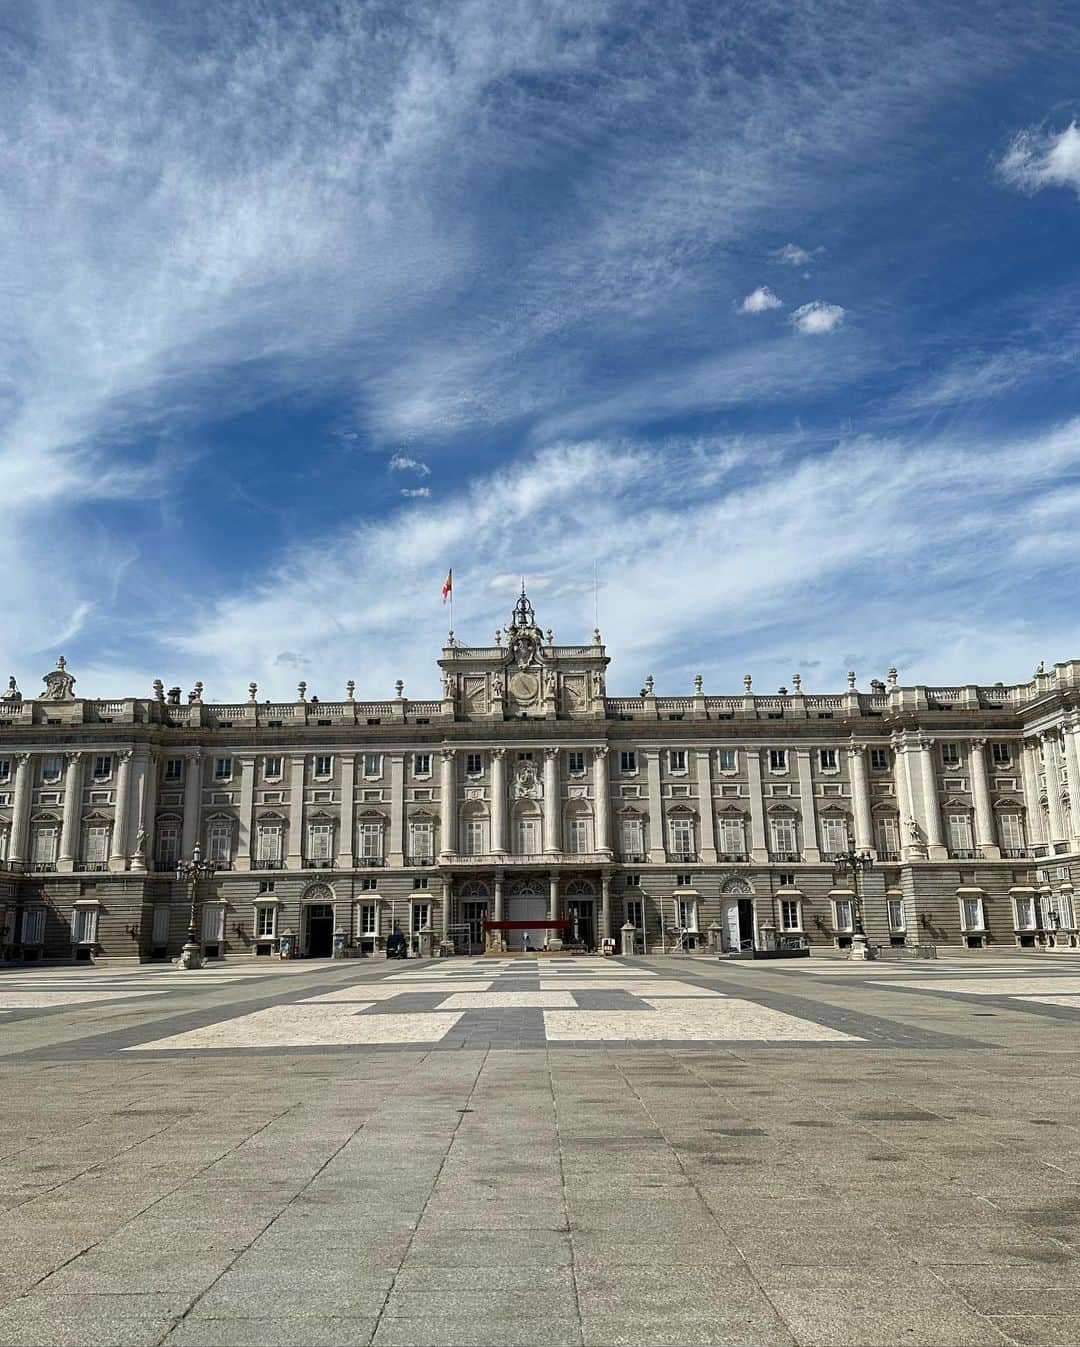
(448, 585)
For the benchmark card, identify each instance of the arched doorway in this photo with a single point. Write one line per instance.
(737, 916)
(474, 898)
(317, 922)
(527, 901)
(581, 911)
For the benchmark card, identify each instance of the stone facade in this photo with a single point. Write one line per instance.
(527, 793)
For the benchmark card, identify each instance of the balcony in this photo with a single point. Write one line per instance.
(370, 862)
(94, 867)
(262, 863)
(633, 858)
(683, 857)
(888, 855)
(784, 857)
(420, 860)
(165, 867)
(1015, 854)
(43, 867)
(963, 854)
(323, 863)
(731, 857)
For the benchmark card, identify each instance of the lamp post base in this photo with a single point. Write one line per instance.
(859, 948)
(191, 956)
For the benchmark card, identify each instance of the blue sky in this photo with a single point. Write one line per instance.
(767, 312)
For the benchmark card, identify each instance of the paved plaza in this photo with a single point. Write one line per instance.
(542, 1151)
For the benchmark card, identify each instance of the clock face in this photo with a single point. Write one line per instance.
(524, 687)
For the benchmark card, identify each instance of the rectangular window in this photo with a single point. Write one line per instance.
(686, 913)
(783, 835)
(971, 913)
(628, 760)
(677, 760)
(324, 765)
(1012, 832)
(474, 764)
(790, 916)
(421, 917)
(631, 837)
(52, 765)
(265, 921)
(728, 759)
(1024, 904)
(96, 845)
(528, 842)
(213, 923)
(368, 923)
(103, 767)
(219, 843)
(827, 759)
(223, 769)
(777, 759)
(168, 846)
(1001, 754)
(473, 837)
(174, 769)
(33, 926)
(372, 764)
(960, 834)
(371, 841)
(5, 769)
(44, 849)
(888, 835)
(575, 761)
(421, 764)
(879, 759)
(732, 836)
(681, 830)
(524, 757)
(84, 922)
(950, 755)
(786, 879)
(421, 840)
(1065, 911)
(268, 844)
(368, 885)
(272, 768)
(896, 914)
(266, 886)
(320, 842)
(635, 917)
(834, 836)
(578, 836)
(159, 933)
(842, 910)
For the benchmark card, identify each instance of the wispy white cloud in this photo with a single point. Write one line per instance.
(402, 463)
(423, 491)
(817, 317)
(760, 300)
(793, 256)
(1039, 158)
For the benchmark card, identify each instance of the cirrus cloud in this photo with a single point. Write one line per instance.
(760, 301)
(817, 317)
(1038, 159)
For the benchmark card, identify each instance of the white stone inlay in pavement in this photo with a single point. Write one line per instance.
(1001, 986)
(43, 998)
(302, 1026)
(386, 991)
(494, 1000)
(633, 985)
(690, 1020)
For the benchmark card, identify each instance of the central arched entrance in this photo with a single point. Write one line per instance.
(317, 922)
(527, 901)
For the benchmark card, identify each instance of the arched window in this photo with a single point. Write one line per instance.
(474, 888)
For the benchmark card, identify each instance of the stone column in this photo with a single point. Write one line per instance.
(496, 940)
(19, 845)
(985, 840)
(931, 820)
(706, 807)
(1072, 764)
(552, 803)
(246, 763)
(447, 918)
(346, 814)
(602, 791)
(69, 829)
(1053, 787)
(448, 803)
(657, 852)
(396, 855)
(811, 851)
(118, 857)
(860, 796)
(294, 858)
(605, 907)
(759, 848)
(498, 801)
(554, 940)
(1035, 833)
(192, 803)
(144, 809)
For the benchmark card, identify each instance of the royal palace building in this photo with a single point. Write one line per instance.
(526, 793)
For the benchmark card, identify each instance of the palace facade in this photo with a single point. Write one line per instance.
(526, 793)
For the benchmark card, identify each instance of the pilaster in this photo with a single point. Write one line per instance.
(118, 859)
(602, 804)
(931, 819)
(396, 854)
(294, 858)
(70, 828)
(498, 801)
(860, 798)
(448, 806)
(657, 854)
(346, 812)
(759, 850)
(246, 763)
(811, 852)
(1033, 815)
(1053, 786)
(552, 802)
(706, 808)
(20, 822)
(985, 840)
(192, 803)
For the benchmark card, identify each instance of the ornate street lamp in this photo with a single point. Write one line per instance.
(856, 864)
(190, 872)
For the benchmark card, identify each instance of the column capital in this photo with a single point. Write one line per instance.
(551, 752)
(601, 752)
(979, 743)
(926, 744)
(21, 759)
(74, 756)
(498, 754)
(447, 754)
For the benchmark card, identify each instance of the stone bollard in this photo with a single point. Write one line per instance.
(427, 942)
(629, 939)
(712, 933)
(339, 951)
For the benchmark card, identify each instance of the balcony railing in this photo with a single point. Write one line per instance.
(731, 857)
(320, 863)
(633, 858)
(786, 857)
(683, 857)
(1015, 853)
(262, 863)
(43, 867)
(888, 855)
(95, 867)
(963, 854)
(420, 860)
(370, 862)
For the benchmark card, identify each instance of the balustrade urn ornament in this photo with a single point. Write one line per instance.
(399, 689)
(796, 683)
(851, 680)
(159, 690)
(747, 682)
(892, 676)
(301, 691)
(650, 683)
(253, 689)
(699, 683)
(350, 690)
